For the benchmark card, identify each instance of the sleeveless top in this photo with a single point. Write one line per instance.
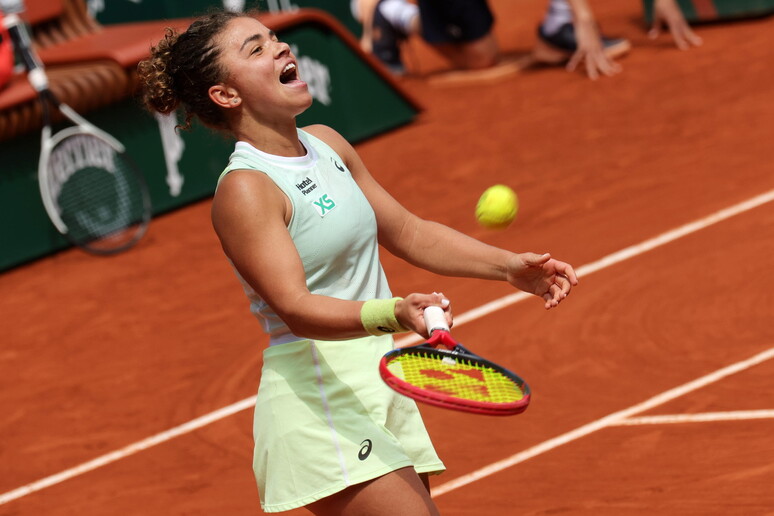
(332, 226)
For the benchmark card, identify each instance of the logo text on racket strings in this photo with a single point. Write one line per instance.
(78, 153)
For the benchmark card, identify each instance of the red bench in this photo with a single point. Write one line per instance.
(89, 66)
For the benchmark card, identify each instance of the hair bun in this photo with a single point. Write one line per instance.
(158, 85)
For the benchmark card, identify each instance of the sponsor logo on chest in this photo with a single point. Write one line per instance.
(306, 186)
(322, 204)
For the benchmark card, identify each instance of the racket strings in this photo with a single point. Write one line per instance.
(457, 377)
(98, 194)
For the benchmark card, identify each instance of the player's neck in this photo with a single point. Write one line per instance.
(278, 139)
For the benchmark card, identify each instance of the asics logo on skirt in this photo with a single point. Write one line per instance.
(365, 449)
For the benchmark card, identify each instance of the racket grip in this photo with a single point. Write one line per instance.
(435, 319)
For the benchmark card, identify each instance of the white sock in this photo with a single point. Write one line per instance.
(399, 13)
(559, 13)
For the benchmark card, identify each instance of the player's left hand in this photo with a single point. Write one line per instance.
(541, 275)
(667, 12)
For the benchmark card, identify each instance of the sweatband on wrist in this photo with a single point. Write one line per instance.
(378, 316)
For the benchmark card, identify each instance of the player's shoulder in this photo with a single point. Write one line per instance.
(246, 191)
(322, 131)
(244, 184)
(329, 136)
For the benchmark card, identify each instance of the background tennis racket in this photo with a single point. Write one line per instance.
(442, 372)
(91, 190)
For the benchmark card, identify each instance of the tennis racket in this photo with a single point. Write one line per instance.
(443, 373)
(91, 189)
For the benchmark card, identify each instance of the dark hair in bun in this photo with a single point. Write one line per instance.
(181, 69)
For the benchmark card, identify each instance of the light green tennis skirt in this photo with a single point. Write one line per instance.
(325, 420)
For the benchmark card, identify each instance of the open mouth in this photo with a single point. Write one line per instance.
(289, 73)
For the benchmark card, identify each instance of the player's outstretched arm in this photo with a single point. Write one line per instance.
(443, 250)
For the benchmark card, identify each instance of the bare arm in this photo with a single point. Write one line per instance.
(250, 215)
(365, 11)
(443, 250)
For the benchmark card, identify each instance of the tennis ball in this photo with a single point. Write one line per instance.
(497, 207)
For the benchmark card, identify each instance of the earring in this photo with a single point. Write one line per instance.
(234, 101)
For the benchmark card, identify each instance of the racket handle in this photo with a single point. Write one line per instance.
(435, 319)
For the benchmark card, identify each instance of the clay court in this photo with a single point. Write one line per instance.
(127, 381)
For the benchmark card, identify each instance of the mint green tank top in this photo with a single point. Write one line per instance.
(332, 226)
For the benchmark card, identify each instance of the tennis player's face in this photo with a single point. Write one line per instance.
(262, 70)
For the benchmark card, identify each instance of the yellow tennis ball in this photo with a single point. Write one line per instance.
(497, 207)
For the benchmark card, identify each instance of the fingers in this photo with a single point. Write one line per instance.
(564, 285)
(597, 63)
(553, 297)
(693, 38)
(556, 292)
(562, 281)
(655, 29)
(668, 13)
(422, 301)
(591, 50)
(444, 303)
(566, 270)
(683, 36)
(604, 64)
(591, 70)
(411, 311)
(574, 61)
(534, 259)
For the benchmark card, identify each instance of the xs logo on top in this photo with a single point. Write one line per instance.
(324, 204)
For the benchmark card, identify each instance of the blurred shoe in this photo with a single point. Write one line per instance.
(386, 42)
(560, 46)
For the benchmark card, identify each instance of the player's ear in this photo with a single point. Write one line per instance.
(224, 96)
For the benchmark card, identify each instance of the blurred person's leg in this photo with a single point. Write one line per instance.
(386, 25)
(461, 31)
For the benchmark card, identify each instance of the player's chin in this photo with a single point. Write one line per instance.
(299, 96)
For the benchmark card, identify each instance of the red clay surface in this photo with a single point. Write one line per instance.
(100, 353)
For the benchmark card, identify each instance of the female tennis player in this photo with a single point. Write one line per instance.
(300, 218)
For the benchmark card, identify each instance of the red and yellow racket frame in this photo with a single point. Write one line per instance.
(445, 357)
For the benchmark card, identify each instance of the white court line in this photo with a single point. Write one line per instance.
(128, 450)
(609, 420)
(471, 315)
(614, 258)
(662, 419)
